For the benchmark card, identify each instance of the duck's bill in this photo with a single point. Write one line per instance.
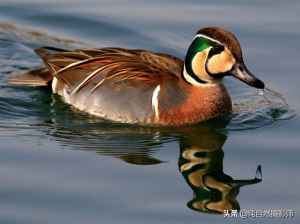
(241, 72)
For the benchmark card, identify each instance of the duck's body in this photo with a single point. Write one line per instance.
(174, 102)
(137, 86)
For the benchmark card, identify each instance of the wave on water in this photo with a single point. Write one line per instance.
(28, 107)
(254, 111)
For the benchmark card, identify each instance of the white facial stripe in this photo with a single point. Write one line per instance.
(155, 100)
(190, 79)
(201, 35)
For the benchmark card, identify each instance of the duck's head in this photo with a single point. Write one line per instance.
(213, 54)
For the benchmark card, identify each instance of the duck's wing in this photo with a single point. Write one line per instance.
(122, 65)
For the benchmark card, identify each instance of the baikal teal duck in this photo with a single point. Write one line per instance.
(139, 86)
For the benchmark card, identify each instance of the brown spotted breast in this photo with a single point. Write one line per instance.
(197, 104)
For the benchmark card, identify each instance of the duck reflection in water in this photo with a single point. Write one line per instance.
(201, 164)
(200, 160)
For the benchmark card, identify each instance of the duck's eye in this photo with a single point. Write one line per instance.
(218, 49)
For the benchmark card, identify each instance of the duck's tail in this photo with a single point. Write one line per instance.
(37, 77)
(42, 76)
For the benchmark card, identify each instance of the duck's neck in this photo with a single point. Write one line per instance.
(196, 81)
(189, 74)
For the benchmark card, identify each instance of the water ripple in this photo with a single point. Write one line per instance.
(38, 108)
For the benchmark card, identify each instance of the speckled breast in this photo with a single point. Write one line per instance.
(196, 104)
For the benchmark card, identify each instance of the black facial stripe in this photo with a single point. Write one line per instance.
(212, 53)
(193, 75)
(218, 49)
(198, 79)
(215, 50)
(217, 75)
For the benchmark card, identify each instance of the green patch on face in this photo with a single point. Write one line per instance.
(199, 44)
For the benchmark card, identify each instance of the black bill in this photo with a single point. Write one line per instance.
(241, 72)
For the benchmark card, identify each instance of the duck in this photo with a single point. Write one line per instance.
(142, 87)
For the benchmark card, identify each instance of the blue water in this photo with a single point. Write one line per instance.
(58, 165)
